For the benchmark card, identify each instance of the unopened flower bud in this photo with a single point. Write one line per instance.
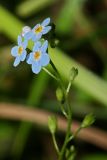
(60, 95)
(25, 30)
(88, 120)
(52, 123)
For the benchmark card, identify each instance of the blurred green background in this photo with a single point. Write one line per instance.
(81, 29)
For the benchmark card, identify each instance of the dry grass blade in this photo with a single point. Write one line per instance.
(19, 112)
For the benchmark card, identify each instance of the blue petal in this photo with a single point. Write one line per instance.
(25, 43)
(45, 59)
(28, 35)
(37, 45)
(36, 37)
(14, 51)
(36, 67)
(45, 22)
(19, 40)
(46, 29)
(17, 61)
(30, 58)
(23, 55)
(44, 46)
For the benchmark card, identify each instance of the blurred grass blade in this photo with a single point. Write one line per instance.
(38, 86)
(8, 24)
(70, 10)
(29, 7)
(65, 22)
(86, 80)
(37, 90)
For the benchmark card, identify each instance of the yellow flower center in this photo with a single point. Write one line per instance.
(38, 29)
(20, 50)
(37, 55)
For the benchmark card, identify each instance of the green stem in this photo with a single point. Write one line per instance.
(75, 134)
(63, 111)
(61, 83)
(55, 143)
(77, 131)
(61, 155)
(48, 72)
(69, 116)
(68, 88)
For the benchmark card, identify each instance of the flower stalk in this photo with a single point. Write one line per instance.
(39, 58)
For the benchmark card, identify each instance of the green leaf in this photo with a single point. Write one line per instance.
(29, 7)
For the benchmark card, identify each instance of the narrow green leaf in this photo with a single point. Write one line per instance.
(69, 11)
(30, 6)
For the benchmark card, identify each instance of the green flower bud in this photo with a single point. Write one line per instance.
(67, 153)
(73, 74)
(60, 95)
(52, 124)
(70, 153)
(88, 120)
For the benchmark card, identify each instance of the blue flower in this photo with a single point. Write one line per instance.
(39, 57)
(40, 29)
(19, 51)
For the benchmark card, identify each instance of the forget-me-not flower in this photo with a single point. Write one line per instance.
(40, 29)
(38, 58)
(19, 51)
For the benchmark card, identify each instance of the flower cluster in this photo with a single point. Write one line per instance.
(38, 57)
